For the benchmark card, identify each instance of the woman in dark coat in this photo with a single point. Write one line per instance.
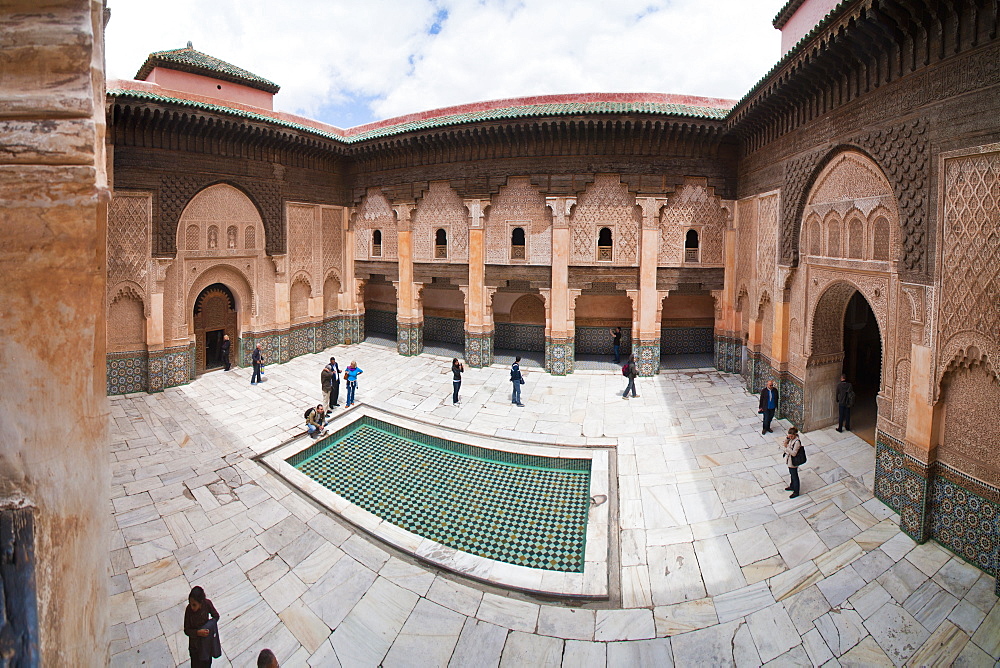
(200, 639)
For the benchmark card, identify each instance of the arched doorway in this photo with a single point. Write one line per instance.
(862, 364)
(214, 317)
(380, 311)
(846, 339)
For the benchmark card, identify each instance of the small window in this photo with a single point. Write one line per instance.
(440, 245)
(517, 243)
(604, 248)
(377, 243)
(691, 246)
(231, 235)
(213, 237)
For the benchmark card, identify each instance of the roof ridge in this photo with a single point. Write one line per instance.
(189, 59)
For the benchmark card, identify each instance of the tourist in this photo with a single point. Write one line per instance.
(258, 362)
(845, 400)
(630, 372)
(201, 628)
(267, 659)
(457, 368)
(315, 420)
(330, 383)
(351, 374)
(768, 404)
(224, 352)
(795, 456)
(517, 380)
(616, 339)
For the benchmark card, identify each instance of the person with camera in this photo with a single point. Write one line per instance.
(795, 456)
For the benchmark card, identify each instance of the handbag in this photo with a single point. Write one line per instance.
(799, 458)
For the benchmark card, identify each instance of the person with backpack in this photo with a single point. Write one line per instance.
(795, 456)
(351, 374)
(315, 420)
(845, 401)
(517, 380)
(630, 372)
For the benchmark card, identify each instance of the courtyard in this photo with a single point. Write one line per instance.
(713, 563)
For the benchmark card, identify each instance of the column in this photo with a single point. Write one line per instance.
(789, 387)
(155, 336)
(728, 343)
(646, 304)
(54, 463)
(560, 328)
(275, 345)
(351, 326)
(478, 311)
(409, 310)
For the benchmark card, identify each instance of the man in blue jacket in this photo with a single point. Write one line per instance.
(768, 405)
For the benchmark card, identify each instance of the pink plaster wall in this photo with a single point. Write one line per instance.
(382, 297)
(599, 309)
(803, 20)
(209, 87)
(688, 310)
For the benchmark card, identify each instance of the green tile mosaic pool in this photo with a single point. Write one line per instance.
(520, 509)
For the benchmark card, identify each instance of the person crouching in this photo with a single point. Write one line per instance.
(315, 421)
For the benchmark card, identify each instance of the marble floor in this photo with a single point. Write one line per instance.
(714, 564)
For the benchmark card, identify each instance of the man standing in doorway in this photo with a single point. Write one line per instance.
(616, 340)
(258, 361)
(334, 382)
(224, 352)
(768, 405)
(517, 380)
(845, 400)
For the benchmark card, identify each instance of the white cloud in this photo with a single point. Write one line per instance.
(325, 54)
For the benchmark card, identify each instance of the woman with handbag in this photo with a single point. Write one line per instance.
(795, 456)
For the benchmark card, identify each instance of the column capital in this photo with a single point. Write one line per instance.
(158, 273)
(404, 215)
(562, 208)
(477, 212)
(280, 267)
(650, 207)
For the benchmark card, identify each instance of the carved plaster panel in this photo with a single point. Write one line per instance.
(692, 206)
(519, 204)
(606, 203)
(375, 213)
(441, 208)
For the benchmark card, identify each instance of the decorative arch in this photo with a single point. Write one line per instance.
(828, 318)
(834, 229)
(298, 296)
(528, 309)
(127, 312)
(237, 283)
(375, 212)
(218, 207)
(331, 292)
(969, 400)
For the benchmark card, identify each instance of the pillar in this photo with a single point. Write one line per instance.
(275, 345)
(646, 303)
(728, 343)
(155, 334)
(352, 300)
(409, 310)
(54, 473)
(560, 328)
(478, 311)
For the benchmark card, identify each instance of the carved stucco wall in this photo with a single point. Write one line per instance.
(968, 313)
(605, 203)
(746, 251)
(333, 258)
(519, 204)
(247, 271)
(850, 189)
(375, 213)
(441, 208)
(692, 206)
(969, 308)
(129, 243)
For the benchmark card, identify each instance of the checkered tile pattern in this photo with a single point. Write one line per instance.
(523, 515)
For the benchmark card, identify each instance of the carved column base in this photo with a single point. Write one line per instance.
(410, 338)
(479, 349)
(647, 356)
(559, 353)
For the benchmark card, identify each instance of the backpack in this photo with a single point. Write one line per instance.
(308, 411)
(625, 370)
(850, 398)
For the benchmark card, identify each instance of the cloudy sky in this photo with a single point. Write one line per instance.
(348, 62)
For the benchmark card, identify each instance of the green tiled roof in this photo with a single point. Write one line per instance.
(196, 62)
(523, 111)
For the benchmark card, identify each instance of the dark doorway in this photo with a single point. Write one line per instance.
(213, 345)
(863, 364)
